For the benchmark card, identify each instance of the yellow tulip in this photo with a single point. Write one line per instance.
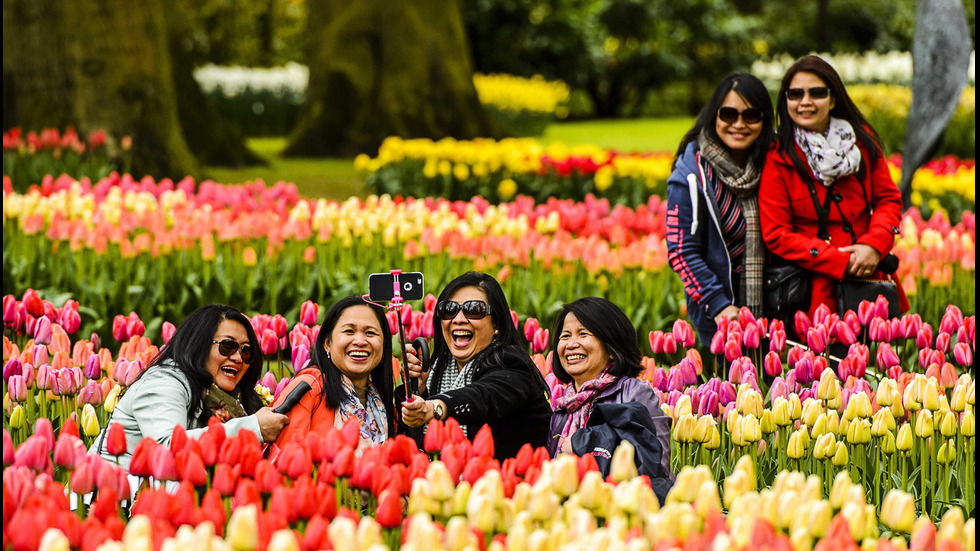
(952, 527)
(946, 454)
(888, 445)
(767, 422)
(702, 429)
(820, 426)
(838, 491)
(796, 447)
(840, 457)
(243, 528)
(564, 471)
(898, 511)
(736, 484)
(54, 540)
(623, 465)
(829, 387)
(751, 431)
(958, 400)
(859, 431)
(924, 423)
(812, 409)
(887, 389)
(112, 398)
(715, 442)
(882, 422)
(947, 424)
(780, 412)
(904, 440)
(749, 401)
(930, 395)
(825, 446)
(684, 428)
(18, 418)
(482, 514)
(90, 421)
(968, 425)
(795, 407)
(819, 516)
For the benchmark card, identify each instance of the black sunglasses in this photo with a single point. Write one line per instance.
(472, 309)
(817, 92)
(228, 347)
(750, 115)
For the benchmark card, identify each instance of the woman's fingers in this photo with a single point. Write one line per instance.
(270, 423)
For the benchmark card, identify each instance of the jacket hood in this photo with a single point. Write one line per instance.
(686, 164)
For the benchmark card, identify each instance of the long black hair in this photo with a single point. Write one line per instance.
(844, 108)
(610, 326)
(381, 376)
(190, 347)
(506, 338)
(754, 93)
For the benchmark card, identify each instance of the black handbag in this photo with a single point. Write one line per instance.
(786, 289)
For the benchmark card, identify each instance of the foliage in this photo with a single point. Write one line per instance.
(28, 159)
(242, 32)
(615, 50)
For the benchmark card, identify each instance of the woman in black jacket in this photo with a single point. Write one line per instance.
(481, 372)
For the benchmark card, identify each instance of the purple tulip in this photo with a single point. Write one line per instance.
(688, 374)
(708, 404)
(726, 393)
(804, 369)
(11, 368)
(778, 389)
(861, 385)
(94, 339)
(658, 379)
(675, 380)
(695, 397)
(93, 367)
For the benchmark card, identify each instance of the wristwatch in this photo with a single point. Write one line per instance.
(438, 410)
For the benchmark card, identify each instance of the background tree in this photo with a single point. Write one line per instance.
(108, 64)
(379, 69)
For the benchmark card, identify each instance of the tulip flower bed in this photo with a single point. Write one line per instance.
(521, 106)
(266, 249)
(886, 436)
(498, 170)
(27, 159)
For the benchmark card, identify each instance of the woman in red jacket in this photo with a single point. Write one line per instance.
(827, 156)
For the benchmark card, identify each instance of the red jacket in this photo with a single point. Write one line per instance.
(789, 220)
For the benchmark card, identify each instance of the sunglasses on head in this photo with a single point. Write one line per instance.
(750, 115)
(472, 309)
(228, 347)
(817, 92)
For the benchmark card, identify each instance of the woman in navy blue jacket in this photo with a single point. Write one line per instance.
(714, 240)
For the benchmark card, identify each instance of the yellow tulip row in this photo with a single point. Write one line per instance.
(533, 95)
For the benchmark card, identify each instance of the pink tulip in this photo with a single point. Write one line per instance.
(708, 403)
(279, 326)
(167, 331)
(162, 464)
(802, 323)
(658, 379)
(70, 321)
(91, 393)
(942, 342)
(540, 343)
(670, 345)
(851, 319)
(83, 478)
(821, 314)
(32, 454)
(17, 388)
(513, 318)
(861, 351)
(777, 340)
(773, 365)
(309, 311)
(134, 326)
(260, 323)
(675, 380)
(11, 368)
(683, 334)
(406, 313)
(119, 329)
(751, 338)
(845, 335)
(300, 357)
(279, 386)
(68, 451)
(881, 307)
(268, 381)
(923, 337)
(879, 330)
(778, 389)
(269, 342)
(804, 369)
(963, 354)
(689, 375)
(41, 355)
(717, 343)
(44, 431)
(816, 338)
(909, 325)
(657, 342)
(531, 327)
(733, 349)
(886, 357)
(45, 377)
(895, 329)
(865, 313)
(429, 303)
(10, 311)
(952, 320)
(745, 317)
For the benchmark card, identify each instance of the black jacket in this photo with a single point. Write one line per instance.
(509, 394)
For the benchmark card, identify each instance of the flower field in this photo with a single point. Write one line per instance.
(780, 451)
(165, 248)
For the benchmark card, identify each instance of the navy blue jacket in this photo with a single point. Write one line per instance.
(695, 246)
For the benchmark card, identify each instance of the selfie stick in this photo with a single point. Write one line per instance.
(396, 305)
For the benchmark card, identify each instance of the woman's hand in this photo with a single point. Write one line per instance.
(417, 412)
(730, 312)
(863, 260)
(414, 363)
(270, 423)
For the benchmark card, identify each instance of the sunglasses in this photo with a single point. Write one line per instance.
(228, 347)
(817, 92)
(472, 309)
(750, 115)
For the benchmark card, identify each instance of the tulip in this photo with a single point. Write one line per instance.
(167, 331)
(717, 346)
(733, 350)
(840, 456)
(968, 424)
(963, 354)
(923, 337)
(683, 334)
(623, 465)
(540, 342)
(531, 326)
(801, 323)
(90, 421)
(243, 529)
(829, 388)
(309, 312)
(684, 428)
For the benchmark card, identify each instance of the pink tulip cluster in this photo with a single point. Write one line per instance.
(34, 316)
(50, 139)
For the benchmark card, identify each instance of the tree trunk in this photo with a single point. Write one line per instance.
(213, 140)
(380, 69)
(97, 64)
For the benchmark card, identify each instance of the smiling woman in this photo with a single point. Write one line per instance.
(351, 376)
(481, 372)
(208, 368)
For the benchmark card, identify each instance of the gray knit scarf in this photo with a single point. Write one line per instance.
(744, 183)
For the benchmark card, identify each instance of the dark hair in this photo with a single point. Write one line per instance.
(610, 326)
(844, 109)
(753, 92)
(190, 348)
(381, 376)
(506, 337)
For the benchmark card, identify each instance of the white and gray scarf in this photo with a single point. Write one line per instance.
(831, 154)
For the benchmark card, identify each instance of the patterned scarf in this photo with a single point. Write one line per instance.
(744, 183)
(833, 154)
(374, 422)
(579, 404)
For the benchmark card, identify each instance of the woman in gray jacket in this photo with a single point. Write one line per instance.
(209, 368)
(595, 354)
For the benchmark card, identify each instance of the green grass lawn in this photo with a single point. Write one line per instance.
(337, 179)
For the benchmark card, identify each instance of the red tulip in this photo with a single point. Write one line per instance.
(162, 464)
(683, 334)
(343, 462)
(33, 303)
(269, 342)
(167, 331)
(483, 442)
(83, 478)
(191, 468)
(294, 461)
(400, 450)
(230, 452)
(434, 436)
(115, 439)
(247, 494)
(801, 322)
(540, 343)
(69, 450)
(351, 431)
(279, 326)
(531, 327)
(845, 335)
(213, 509)
(44, 431)
(773, 365)
(751, 338)
(886, 357)
(140, 464)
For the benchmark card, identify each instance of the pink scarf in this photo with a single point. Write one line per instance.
(579, 404)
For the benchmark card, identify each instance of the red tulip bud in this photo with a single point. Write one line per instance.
(309, 312)
(389, 512)
(167, 331)
(801, 322)
(963, 354)
(483, 442)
